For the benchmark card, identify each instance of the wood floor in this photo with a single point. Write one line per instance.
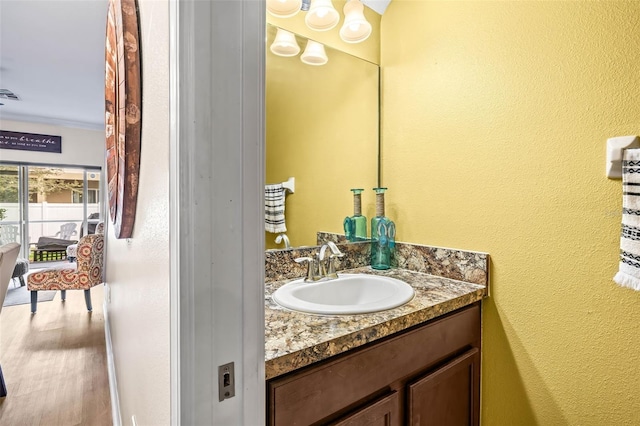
(55, 363)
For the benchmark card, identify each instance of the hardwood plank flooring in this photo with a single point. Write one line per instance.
(55, 363)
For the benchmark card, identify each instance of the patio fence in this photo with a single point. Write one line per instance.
(54, 215)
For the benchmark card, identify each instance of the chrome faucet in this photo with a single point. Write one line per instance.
(316, 265)
(335, 254)
(313, 268)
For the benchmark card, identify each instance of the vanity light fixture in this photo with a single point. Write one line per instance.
(322, 16)
(285, 44)
(283, 8)
(356, 28)
(314, 54)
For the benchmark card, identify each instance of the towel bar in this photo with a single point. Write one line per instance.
(290, 185)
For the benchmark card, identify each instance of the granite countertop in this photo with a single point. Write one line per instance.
(294, 339)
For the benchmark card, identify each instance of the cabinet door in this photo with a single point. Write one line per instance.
(383, 412)
(319, 391)
(448, 396)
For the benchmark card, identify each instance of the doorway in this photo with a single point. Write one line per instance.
(44, 200)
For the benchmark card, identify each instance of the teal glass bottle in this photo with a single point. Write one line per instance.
(383, 232)
(355, 227)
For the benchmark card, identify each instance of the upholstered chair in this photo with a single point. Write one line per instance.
(73, 248)
(8, 256)
(85, 274)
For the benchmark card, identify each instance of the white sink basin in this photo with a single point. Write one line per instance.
(349, 294)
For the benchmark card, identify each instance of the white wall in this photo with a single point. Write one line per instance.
(138, 271)
(80, 147)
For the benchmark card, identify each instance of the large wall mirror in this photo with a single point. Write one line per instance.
(322, 129)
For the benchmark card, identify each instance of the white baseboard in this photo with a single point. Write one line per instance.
(111, 366)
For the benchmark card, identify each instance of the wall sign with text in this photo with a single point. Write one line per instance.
(30, 142)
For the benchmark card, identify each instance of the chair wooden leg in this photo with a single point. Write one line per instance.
(63, 295)
(87, 299)
(3, 387)
(34, 301)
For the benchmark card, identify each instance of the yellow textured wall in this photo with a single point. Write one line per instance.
(495, 117)
(321, 126)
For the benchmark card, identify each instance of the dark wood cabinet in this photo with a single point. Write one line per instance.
(427, 375)
(384, 412)
(448, 395)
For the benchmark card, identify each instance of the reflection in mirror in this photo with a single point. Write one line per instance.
(322, 129)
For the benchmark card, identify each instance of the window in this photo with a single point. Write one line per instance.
(39, 199)
(92, 196)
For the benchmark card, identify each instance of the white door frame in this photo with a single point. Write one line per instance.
(216, 198)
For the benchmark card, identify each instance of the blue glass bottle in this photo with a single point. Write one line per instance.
(355, 227)
(383, 232)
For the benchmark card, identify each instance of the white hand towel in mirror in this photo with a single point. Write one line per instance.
(274, 208)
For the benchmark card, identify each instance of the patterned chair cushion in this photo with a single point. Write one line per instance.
(100, 228)
(86, 274)
(72, 250)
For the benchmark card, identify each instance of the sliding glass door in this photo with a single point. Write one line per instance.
(49, 203)
(11, 228)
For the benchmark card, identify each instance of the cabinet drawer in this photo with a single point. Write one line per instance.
(311, 395)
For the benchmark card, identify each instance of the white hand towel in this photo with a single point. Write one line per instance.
(274, 208)
(629, 270)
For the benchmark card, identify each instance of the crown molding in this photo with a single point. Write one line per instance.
(51, 121)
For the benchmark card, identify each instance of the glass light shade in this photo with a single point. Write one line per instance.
(356, 28)
(283, 8)
(314, 54)
(285, 44)
(322, 16)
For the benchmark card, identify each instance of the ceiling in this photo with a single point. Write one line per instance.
(52, 58)
(379, 6)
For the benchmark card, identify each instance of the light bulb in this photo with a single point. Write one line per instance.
(283, 8)
(322, 16)
(355, 28)
(314, 54)
(285, 44)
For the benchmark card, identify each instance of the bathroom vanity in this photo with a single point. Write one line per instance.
(415, 364)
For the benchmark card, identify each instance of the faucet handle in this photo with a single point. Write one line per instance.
(332, 265)
(310, 266)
